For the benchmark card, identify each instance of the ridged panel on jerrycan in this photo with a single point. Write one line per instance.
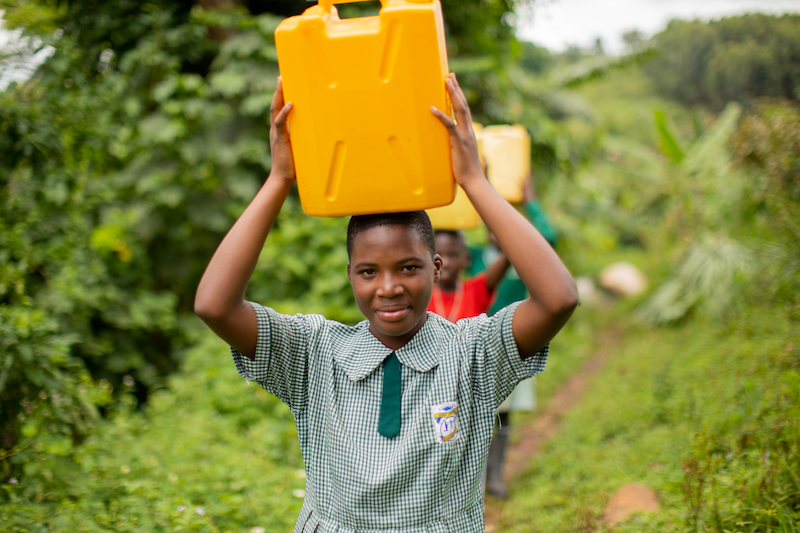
(363, 137)
(461, 214)
(507, 150)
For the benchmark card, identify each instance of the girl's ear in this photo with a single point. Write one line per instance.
(437, 267)
(348, 273)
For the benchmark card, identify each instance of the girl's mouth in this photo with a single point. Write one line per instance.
(393, 314)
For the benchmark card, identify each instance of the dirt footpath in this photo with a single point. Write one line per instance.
(531, 436)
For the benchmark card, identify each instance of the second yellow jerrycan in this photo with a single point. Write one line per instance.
(456, 216)
(460, 214)
(363, 137)
(507, 150)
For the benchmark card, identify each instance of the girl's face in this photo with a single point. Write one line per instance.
(455, 257)
(392, 274)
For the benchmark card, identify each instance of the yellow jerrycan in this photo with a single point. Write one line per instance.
(460, 214)
(363, 137)
(507, 150)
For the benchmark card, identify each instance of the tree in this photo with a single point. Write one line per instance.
(732, 59)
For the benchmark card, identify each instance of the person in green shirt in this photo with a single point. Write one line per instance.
(394, 415)
(510, 289)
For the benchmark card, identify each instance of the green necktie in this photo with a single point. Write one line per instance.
(389, 421)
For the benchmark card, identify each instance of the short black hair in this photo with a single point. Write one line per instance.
(455, 234)
(416, 220)
(452, 232)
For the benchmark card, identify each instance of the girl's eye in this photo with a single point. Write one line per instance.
(367, 272)
(410, 268)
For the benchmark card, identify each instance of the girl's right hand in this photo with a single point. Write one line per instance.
(280, 144)
(463, 144)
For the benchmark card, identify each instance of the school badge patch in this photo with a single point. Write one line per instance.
(445, 422)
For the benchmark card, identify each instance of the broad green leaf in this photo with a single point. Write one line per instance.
(670, 146)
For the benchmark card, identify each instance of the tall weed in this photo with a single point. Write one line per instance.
(746, 477)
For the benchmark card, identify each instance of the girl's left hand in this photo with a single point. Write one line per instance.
(463, 144)
(280, 144)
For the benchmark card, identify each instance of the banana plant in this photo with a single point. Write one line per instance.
(706, 202)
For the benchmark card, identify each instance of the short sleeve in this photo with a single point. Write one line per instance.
(497, 366)
(281, 360)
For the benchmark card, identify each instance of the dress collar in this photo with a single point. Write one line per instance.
(364, 353)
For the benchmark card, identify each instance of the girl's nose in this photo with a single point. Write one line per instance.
(390, 287)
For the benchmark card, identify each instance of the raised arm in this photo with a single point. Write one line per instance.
(553, 294)
(219, 300)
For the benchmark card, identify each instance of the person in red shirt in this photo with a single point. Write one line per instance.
(453, 298)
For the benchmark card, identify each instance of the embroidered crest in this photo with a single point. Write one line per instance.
(445, 422)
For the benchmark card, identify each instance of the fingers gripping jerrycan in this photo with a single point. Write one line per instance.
(363, 137)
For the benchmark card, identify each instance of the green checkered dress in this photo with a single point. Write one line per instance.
(427, 478)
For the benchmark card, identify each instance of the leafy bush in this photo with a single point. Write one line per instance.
(46, 394)
(79, 242)
(768, 139)
(116, 184)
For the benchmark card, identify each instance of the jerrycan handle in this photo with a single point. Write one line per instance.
(327, 4)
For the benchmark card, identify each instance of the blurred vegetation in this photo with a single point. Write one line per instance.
(769, 141)
(731, 59)
(133, 148)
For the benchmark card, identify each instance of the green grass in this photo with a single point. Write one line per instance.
(210, 453)
(720, 394)
(569, 351)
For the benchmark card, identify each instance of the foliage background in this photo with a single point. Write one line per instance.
(141, 139)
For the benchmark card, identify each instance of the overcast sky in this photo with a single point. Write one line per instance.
(557, 24)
